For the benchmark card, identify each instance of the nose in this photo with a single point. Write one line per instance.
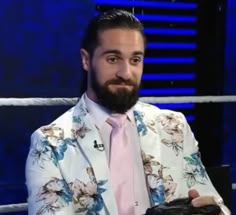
(124, 71)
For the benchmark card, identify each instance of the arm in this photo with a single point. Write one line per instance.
(48, 192)
(200, 187)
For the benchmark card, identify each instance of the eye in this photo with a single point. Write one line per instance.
(135, 60)
(112, 59)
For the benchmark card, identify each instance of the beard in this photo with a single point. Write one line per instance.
(121, 100)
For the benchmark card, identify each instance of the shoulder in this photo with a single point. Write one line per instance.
(56, 127)
(152, 112)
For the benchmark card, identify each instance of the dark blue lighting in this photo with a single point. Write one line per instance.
(173, 5)
(190, 118)
(176, 106)
(170, 60)
(171, 31)
(165, 18)
(167, 91)
(170, 77)
(170, 45)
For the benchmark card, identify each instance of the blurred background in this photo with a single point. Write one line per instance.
(190, 52)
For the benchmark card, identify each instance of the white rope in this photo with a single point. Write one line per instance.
(73, 101)
(37, 101)
(234, 186)
(189, 99)
(13, 208)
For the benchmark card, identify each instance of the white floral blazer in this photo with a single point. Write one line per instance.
(66, 174)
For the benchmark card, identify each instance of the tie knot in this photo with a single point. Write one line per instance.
(117, 120)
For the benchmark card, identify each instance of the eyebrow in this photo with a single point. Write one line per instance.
(115, 51)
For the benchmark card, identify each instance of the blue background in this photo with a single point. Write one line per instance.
(39, 57)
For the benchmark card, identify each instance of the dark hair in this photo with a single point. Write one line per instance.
(109, 20)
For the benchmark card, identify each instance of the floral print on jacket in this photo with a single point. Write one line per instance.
(87, 197)
(55, 194)
(66, 174)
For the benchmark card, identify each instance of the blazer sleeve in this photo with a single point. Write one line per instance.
(195, 175)
(48, 192)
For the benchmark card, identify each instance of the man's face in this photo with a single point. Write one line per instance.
(115, 70)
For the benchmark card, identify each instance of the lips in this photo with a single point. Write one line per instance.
(122, 85)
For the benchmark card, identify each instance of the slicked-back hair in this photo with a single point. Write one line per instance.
(109, 20)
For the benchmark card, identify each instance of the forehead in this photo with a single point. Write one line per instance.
(125, 40)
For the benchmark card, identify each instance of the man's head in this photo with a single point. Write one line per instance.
(112, 55)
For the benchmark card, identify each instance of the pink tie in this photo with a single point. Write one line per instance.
(121, 165)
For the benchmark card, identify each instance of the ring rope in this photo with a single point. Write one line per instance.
(73, 101)
(13, 208)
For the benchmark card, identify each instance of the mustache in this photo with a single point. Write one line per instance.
(121, 81)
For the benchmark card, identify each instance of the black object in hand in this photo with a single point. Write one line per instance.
(182, 206)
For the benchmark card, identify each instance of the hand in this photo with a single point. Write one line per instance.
(199, 201)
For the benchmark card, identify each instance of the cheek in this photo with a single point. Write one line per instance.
(138, 75)
(105, 73)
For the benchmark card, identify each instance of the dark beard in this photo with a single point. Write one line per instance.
(120, 101)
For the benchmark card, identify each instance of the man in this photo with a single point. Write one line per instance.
(74, 165)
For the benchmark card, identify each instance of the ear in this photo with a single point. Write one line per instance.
(85, 59)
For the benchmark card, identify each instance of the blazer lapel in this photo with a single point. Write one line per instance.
(150, 150)
(93, 150)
